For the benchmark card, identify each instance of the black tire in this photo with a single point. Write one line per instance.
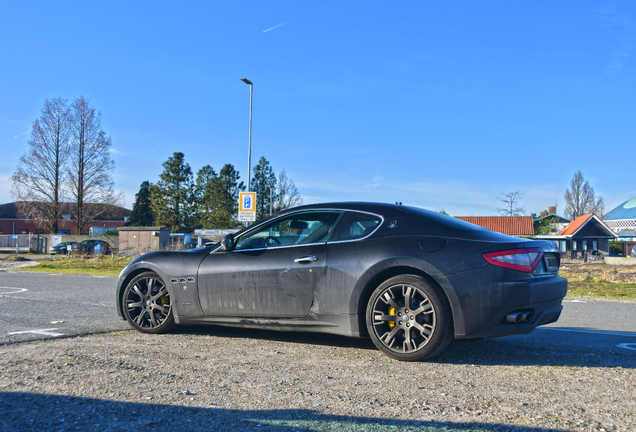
(409, 319)
(147, 304)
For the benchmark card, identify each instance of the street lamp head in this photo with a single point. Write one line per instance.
(246, 81)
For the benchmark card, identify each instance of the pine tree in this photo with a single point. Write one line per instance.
(172, 198)
(225, 192)
(206, 178)
(142, 209)
(264, 184)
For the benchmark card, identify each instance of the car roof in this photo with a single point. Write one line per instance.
(371, 207)
(436, 223)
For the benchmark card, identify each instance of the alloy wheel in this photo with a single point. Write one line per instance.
(409, 319)
(147, 305)
(404, 318)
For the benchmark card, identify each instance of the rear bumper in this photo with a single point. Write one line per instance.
(484, 306)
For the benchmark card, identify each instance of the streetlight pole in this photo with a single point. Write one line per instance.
(249, 149)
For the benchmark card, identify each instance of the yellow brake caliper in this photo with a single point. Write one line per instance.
(391, 312)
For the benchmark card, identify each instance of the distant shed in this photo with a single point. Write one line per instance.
(139, 240)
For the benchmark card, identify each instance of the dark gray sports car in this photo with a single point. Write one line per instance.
(410, 279)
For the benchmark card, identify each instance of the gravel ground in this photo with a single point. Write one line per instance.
(206, 378)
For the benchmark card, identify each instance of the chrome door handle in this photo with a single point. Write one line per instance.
(307, 259)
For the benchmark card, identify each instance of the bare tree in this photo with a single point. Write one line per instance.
(39, 180)
(90, 165)
(287, 194)
(580, 198)
(599, 208)
(511, 201)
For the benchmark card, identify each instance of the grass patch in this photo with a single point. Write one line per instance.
(98, 266)
(614, 291)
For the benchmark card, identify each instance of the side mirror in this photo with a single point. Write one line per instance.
(227, 243)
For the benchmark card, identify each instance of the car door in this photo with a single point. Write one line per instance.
(272, 271)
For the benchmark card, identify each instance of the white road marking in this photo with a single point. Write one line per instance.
(629, 346)
(607, 333)
(46, 332)
(57, 322)
(16, 290)
(574, 301)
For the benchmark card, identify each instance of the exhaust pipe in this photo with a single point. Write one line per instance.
(527, 316)
(514, 317)
(520, 317)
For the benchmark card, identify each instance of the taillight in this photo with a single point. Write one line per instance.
(524, 259)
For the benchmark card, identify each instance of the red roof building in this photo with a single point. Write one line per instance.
(511, 225)
(580, 222)
(12, 221)
(583, 234)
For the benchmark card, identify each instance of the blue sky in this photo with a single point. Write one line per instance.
(441, 105)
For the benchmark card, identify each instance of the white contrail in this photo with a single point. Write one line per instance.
(286, 22)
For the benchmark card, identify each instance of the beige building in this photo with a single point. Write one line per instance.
(139, 240)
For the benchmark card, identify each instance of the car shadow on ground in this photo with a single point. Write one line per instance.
(524, 351)
(535, 349)
(322, 339)
(41, 412)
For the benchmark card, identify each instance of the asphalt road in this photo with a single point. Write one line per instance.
(41, 306)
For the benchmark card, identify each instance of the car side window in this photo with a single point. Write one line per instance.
(294, 229)
(354, 225)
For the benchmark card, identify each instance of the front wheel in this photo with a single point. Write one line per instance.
(146, 303)
(408, 319)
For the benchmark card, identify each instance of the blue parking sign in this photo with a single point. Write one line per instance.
(247, 207)
(247, 201)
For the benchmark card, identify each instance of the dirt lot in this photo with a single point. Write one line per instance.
(599, 269)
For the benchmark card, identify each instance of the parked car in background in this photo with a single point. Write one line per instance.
(410, 279)
(61, 248)
(92, 247)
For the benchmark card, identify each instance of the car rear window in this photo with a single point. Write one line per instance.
(355, 225)
(448, 221)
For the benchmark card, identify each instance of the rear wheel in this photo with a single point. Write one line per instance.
(408, 319)
(146, 303)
